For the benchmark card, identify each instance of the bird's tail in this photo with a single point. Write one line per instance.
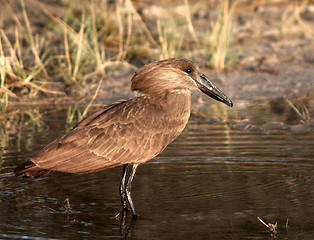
(29, 169)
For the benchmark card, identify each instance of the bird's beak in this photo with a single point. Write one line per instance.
(207, 87)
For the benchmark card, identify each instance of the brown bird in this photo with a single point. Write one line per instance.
(129, 132)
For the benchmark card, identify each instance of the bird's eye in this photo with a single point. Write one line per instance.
(188, 70)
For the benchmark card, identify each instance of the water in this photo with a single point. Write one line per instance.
(211, 183)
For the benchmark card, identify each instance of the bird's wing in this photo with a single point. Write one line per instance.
(121, 133)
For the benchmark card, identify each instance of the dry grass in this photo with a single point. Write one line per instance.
(79, 43)
(94, 33)
(75, 114)
(170, 40)
(301, 110)
(221, 35)
(293, 14)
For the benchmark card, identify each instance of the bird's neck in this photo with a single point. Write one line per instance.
(176, 103)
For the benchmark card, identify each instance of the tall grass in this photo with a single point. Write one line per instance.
(291, 15)
(93, 36)
(221, 35)
(170, 39)
(20, 68)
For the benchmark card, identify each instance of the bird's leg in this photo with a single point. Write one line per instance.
(128, 190)
(123, 187)
(126, 231)
(123, 226)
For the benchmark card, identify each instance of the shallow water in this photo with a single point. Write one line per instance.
(211, 183)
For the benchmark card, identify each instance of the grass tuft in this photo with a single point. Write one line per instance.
(220, 35)
(301, 110)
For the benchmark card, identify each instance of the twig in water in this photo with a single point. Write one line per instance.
(272, 227)
(287, 222)
(67, 204)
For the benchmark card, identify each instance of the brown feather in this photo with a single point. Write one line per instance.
(129, 131)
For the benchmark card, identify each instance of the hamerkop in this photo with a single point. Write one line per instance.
(129, 132)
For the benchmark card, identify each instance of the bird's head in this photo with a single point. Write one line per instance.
(175, 74)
